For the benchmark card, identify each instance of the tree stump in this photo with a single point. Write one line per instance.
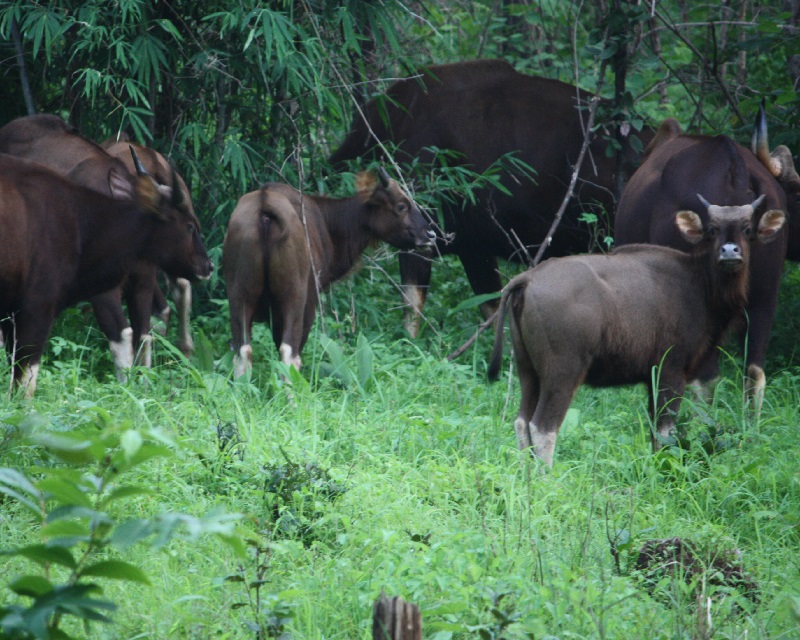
(395, 619)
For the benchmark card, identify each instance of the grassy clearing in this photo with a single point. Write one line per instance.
(408, 480)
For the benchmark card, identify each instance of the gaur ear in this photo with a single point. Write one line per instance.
(690, 226)
(366, 181)
(769, 225)
(120, 186)
(149, 196)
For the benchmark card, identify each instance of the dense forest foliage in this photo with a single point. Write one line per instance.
(237, 94)
(181, 503)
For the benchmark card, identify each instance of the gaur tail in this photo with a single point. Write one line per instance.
(499, 325)
(266, 220)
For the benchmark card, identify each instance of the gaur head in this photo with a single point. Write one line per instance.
(179, 243)
(393, 215)
(729, 230)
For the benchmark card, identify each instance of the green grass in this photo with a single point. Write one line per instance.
(409, 482)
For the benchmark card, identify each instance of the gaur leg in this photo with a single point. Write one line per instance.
(529, 391)
(242, 310)
(26, 342)
(483, 275)
(290, 333)
(161, 311)
(754, 343)
(545, 402)
(707, 377)
(107, 308)
(670, 393)
(183, 300)
(554, 400)
(141, 283)
(415, 276)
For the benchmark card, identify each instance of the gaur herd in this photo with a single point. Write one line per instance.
(87, 221)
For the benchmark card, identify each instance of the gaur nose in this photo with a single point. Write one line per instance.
(730, 252)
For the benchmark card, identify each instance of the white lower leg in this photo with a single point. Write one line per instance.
(703, 390)
(162, 321)
(756, 385)
(146, 352)
(288, 357)
(523, 434)
(414, 300)
(544, 444)
(184, 303)
(665, 429)
(242, 361)
(122, 352)
(27, 381)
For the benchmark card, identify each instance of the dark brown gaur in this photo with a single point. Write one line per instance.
(164, 173)
(282, 247)
(63, 243)
(676, 167)
(483, 110)
(641, 313)
(48, 140)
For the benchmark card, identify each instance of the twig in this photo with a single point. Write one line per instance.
(486, 324)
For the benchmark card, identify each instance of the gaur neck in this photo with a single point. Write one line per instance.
(112, 239)
(346, 223)
(726, 292)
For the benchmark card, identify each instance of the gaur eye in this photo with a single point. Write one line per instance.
(712, 232)
(402, 207)
(747, 231)
(190, 227)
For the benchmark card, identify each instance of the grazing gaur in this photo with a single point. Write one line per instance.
(63, 243)
(48, 140)
(283, 247)
(483, 110)
(642, 312)
(157, 166)
(676, 167)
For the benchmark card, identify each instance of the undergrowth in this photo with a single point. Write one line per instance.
(385, 467)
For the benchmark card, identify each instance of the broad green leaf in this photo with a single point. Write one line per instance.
(125, 492)
(131, 442)
(65, 491)
(130, 532)
(44, 555)
(65, 528)
(81, 513)
(474, 301)
(31, 586)
(115, 569)
(364, 361)
(71, 449)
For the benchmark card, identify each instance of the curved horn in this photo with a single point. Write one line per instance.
(705, 202)
(383, 176)
(140, 170)
(177, 192)
(758, 201)
(760, 143)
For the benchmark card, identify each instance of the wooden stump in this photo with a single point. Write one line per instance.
(395, 619)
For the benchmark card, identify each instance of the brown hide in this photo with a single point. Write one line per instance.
(614, 319)
(484, 109)
(47, 139)
(61, 246)
(679, 166)
(162, 172)
(270, 257)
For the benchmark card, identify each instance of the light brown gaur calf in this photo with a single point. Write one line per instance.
(283, 247)
(609, 320)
